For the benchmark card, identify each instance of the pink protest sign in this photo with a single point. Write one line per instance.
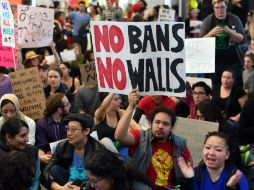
(6, 55)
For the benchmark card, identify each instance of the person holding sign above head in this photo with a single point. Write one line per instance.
(107, 116)
(50, 128)
(154, 151)
(10, 109)
(229, 32)
(216, 171)
(66, 170)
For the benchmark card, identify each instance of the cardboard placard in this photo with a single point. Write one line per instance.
(28, 87)
(88, 74)
(194, 131)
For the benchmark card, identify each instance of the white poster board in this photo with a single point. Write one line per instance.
(68, 55)
(194, 131)
(146, 55)
(35, 26)
(7, 24)
(200, 55)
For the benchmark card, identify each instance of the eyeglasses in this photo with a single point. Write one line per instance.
(164, 123)
(95, 182)
(4, 112)
(198, 93)
(72, 130)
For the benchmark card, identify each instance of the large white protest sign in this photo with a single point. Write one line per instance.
(35, 26)
(194, 131)
(200, 55)
(166, 15)
(7, 24)
(147, 55)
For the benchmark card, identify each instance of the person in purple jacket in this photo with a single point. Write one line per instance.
(50, 128)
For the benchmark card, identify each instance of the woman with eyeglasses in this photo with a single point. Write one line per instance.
(10, 109)
(108, 171)
(14, 137)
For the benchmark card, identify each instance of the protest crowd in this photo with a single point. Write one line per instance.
(136, 97)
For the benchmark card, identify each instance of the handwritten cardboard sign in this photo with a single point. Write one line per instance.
(35, 26)
(200, 55)
(166, 15)
(146, 55)
(7, 24)
(194, 131)
(88, 74)
(7, 55)
(27, 86)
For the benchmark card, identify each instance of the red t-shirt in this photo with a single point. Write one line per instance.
(148, 105)
(161, 169)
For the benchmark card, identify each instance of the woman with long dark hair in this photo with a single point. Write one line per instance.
(216, 170)
(107, 171)
(14, 137)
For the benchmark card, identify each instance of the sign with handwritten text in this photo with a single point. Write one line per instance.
(200, 55)
(27, 86)
(167, 15)
(88, 73)
(7, 24)
(7, 55)
(35, 26)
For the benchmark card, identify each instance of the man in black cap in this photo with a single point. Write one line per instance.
(66, 168)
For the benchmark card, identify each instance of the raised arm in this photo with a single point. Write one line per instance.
(123, 125)
(101, 111)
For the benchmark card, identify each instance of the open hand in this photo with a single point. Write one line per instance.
(186, 168)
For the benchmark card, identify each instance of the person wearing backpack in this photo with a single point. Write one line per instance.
(216, 170)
